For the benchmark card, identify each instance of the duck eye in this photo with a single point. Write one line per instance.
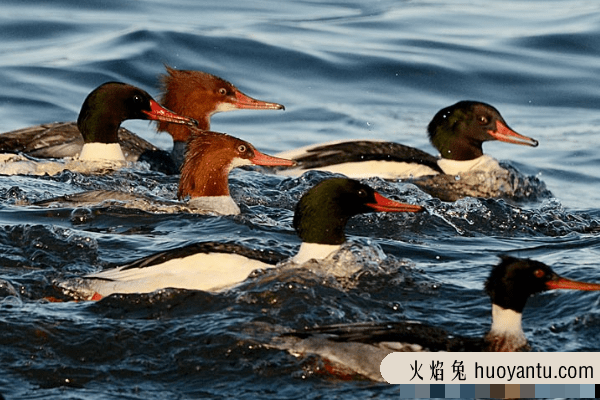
(362, 193)
(242, 148)
(483, 120)
(137, 99)
(538, 273)
(223, 91)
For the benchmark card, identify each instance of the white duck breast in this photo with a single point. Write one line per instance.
(101, 151)
(314, 251)
(485, 163)
(506, 323)
(222, 205)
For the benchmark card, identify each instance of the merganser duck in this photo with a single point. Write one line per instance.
(204, 179)
(199, 93)
(458, 132)
(319, 219)
(103, 111)
(358, 349)
(209, 158)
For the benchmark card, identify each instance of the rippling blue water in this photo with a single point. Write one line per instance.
(343, 70)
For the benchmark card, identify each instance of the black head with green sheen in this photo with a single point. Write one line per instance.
(111, 103)
(459, 131)
(514, 280)
(322, 212)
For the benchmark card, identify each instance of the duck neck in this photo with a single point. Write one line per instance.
(178, 153)
(182, 133)
(506, 333)
(203, 179)
(321, 224)
(101, 151)
(460, 149)
(223, 205)
(485, 163)
(98, 127)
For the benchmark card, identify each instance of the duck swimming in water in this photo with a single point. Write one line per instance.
(192, 92)
(457, 131)
(358, 349)
(319, 220)
(101, 115)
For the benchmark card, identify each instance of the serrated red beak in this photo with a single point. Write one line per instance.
(267, 160)
(388, 205)
(504, 134)
(159, 113)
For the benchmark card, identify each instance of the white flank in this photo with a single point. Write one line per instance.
(389, 169)
(13, 164)
(101, 151)
(314, 251)
(358, 170)
(223, 205)
(210, 272)
(369, 169)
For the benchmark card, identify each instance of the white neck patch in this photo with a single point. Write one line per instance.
(484, 163)
(506, 322)
(101, 151)
(317, 251)
(223, 205)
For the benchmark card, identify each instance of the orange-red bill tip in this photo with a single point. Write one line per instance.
(267, 160)
(247, 102)
(158, 112)
(564, 283)
(384, 204)
(504, 134)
